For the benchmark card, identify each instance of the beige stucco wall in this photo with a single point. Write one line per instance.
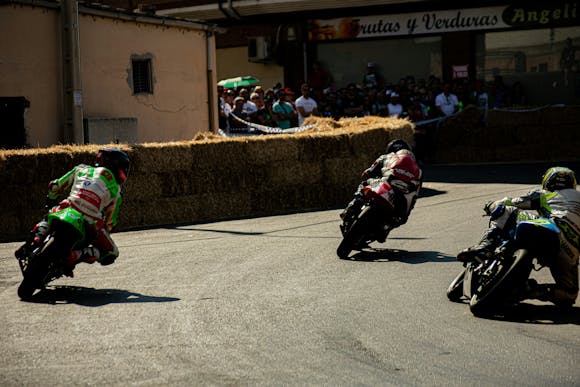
(178, 107)
(30, 67)
(233, 62)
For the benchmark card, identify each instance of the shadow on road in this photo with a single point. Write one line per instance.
(256, 233)
(93, 297)
(411, 257)
(539, 314)
(428, 192)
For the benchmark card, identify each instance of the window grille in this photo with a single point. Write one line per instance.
(142, 83)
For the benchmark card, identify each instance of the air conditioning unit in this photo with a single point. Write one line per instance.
(259, 49)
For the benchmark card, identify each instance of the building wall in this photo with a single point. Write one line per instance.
(31, 68)
(233, 62)
(178, 107)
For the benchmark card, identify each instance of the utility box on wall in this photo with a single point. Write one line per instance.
(110, 130)
(260, 49)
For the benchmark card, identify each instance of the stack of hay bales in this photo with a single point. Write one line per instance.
(212, 177)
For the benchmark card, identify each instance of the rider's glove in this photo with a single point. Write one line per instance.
(495, 209)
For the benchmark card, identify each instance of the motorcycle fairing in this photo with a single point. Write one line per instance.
(70, 216)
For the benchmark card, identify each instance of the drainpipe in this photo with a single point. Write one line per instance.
(230, 12)
(213, 108)
(233, 11)
(73, 102)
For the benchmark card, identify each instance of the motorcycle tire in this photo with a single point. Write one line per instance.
(455, 289)
(355, 236)
(496, 292)
(36, 271)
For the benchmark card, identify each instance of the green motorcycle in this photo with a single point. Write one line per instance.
(49, 259)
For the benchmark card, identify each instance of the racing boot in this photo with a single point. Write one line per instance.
(87, 254)
(484, 249)
(384, 233)
(549, 293)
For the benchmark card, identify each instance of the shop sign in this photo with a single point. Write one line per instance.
(435, 22)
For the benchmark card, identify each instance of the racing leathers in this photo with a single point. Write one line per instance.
(402, 172)
(95, 193)
(563, 207)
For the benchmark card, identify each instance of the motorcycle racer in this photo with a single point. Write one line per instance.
(94, 191)
(399, 168)
(559, 200)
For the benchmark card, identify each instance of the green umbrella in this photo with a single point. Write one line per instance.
(239, 82)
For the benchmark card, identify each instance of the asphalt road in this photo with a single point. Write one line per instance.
(266, 301)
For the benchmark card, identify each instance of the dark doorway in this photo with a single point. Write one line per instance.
(12, 131)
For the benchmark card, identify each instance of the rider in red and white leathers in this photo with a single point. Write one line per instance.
(400, 169)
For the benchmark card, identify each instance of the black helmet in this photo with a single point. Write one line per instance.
(116, 161)
(557, 178)
(397, 145)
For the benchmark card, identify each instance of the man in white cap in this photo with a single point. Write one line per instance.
(395, 108)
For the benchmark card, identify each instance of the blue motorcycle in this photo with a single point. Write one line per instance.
(493, 284)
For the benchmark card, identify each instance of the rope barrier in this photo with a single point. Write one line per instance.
(252, 128)
(262, 129)
(528, 110)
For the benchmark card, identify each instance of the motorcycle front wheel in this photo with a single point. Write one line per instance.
(36, 270)
(455, 289)
(357, 234)
(499, 283)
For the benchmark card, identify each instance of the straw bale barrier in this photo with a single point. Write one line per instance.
(210, 177)
(549, 134)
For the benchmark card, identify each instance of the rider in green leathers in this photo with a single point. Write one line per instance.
(95, 192)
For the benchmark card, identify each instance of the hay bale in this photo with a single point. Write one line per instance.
(160, 157)
(304, 173)
(321, 146)
(267, 150)
(221, 152)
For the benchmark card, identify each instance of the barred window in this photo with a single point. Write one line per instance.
(142, 79)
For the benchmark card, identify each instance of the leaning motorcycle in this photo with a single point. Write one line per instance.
(47, 260)
(374, 221)
(493, 284)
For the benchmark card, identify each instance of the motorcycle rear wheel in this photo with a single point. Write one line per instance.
(497, 290)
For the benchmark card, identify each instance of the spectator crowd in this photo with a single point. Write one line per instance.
(417, 99)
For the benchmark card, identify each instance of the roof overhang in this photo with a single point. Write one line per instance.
(226, 9)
